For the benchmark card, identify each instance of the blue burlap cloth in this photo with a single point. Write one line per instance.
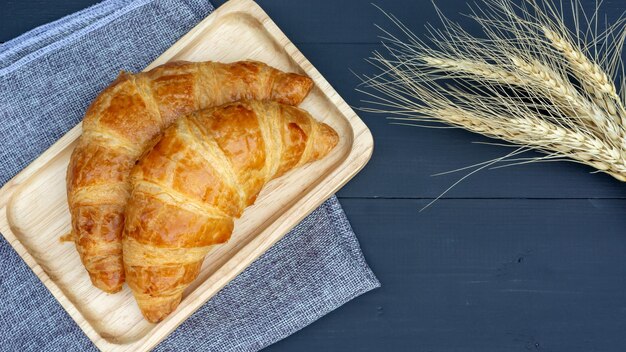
(48, 77)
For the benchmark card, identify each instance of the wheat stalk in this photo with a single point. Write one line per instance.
(530, 81)
(478, 69)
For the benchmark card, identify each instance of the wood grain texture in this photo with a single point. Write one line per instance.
(33, 205)
(19, 17)
(483, 275)
(576, 235)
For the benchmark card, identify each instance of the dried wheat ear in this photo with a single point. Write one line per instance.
(527, 79)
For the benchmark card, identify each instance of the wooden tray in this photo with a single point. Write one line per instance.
(34, 213)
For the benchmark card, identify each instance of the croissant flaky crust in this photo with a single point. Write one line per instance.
(187, 191)
(125, 120)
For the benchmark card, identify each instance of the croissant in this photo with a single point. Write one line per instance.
(121, 124)
(187, 191)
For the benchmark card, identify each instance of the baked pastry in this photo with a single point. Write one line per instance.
(125, 120)
(187, 191)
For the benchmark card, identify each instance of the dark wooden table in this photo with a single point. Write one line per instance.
(515, 259)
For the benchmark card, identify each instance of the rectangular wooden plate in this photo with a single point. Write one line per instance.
(34, 213)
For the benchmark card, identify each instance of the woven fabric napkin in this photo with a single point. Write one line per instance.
(48, 77)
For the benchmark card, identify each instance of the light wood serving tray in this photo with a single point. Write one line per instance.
(34, 212)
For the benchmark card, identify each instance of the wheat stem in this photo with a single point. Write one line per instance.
(478, 69)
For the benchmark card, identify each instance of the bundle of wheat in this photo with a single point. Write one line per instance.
(529, 80)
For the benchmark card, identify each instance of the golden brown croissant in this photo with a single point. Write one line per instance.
(123, 122)
(197, 179)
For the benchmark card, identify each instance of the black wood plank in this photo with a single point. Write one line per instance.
(304, 21)
(483, 275)
(352, 21)
(17, 17)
